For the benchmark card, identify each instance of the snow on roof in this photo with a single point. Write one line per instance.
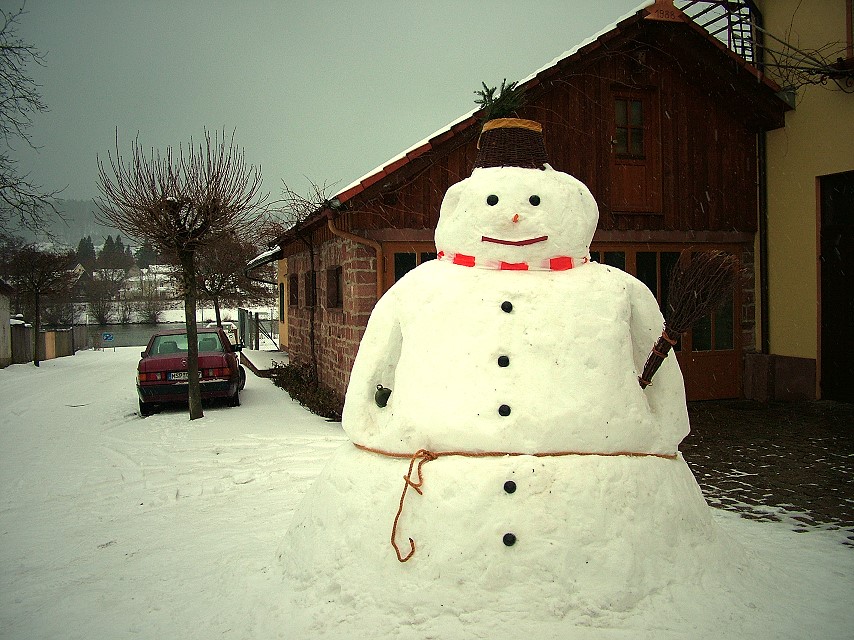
(424, 145)
(263, 258)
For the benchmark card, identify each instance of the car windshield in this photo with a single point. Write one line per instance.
(177, 343)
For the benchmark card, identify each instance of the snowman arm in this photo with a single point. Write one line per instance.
(376, 363)
(666, 395)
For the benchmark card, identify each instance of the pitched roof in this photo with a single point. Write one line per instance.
(470, 119)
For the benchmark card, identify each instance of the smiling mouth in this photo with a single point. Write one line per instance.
(514, 243)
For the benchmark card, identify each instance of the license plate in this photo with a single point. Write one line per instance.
(178, 375)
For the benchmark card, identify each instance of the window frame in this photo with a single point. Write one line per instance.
(309, 283)
(335, 287)
(293, 290)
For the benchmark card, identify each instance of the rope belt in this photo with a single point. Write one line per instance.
(421, 457)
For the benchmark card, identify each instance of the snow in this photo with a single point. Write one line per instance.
(117, 527)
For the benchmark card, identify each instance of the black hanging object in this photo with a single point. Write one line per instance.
(381, 396)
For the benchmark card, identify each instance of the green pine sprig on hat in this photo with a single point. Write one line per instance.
(510, 98)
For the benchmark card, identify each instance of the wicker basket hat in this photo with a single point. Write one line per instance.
(511, 142)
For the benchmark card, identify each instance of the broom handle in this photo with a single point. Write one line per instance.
(666, 341)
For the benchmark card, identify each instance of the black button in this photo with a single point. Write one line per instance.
(510, 486)
(504, 410)
(503, 361)
(507, 306)
(509, 539)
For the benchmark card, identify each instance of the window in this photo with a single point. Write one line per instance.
(293, 291)
(403, 257)
(281, 300)
(406, 261)
(629, 127)
(715, 332)
(334, 288)
(308, 283)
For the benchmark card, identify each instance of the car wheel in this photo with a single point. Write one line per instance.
(242, 372)
(234, 401)
(145, 409)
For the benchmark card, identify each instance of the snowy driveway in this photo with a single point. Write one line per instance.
(113, 526)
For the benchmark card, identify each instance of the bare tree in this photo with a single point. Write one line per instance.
(103, 291)
(220, 274)
(294, 213)
(797, 67)
(179, 202)
(37, 273)
(23, 203)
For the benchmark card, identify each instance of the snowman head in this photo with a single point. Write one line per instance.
(517, 215)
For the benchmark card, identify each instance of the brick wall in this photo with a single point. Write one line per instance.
(338, 331)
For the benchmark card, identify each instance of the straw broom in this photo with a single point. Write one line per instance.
(695, 291)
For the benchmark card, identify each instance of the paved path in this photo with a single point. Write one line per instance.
(779, 461)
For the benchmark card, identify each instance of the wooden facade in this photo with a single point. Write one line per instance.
(657, 118)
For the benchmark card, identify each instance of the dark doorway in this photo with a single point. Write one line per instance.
(837, 286)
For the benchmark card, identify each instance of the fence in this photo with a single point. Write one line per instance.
(54, 343)
(251, 326)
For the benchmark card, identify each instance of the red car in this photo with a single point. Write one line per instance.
(162, 373)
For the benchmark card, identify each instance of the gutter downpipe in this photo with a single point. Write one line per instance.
(765, 344)
(376, 246)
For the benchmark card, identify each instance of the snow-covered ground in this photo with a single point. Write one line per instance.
(112, 526)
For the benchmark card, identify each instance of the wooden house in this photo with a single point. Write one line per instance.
(659, 118)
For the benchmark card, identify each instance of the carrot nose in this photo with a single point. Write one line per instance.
(516, 218)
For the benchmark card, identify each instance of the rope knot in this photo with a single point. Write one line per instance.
(422, 456)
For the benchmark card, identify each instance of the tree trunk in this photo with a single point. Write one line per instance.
(188, 273)
(37, 322)
(217, 312)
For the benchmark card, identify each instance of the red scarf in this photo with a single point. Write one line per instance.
(559, 263)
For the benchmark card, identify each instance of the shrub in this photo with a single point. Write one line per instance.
(296, 379)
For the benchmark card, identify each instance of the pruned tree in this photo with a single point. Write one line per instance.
(220, 275)
(179, 201)
(23, 203)
(36, 274)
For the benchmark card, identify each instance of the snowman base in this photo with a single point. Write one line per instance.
(590, 534)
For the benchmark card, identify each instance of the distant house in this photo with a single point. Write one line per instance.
(660, 119)
(5, 334)
(157, 280)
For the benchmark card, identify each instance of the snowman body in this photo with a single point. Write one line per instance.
(486, 360)
(550, 477)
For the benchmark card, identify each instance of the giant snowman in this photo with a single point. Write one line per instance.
(516, 465)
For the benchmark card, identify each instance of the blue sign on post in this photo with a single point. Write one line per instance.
(107, 337)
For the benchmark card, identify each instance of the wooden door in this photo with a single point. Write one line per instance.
(635, 155)
(837, 286)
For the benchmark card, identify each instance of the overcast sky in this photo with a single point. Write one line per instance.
(318, 89)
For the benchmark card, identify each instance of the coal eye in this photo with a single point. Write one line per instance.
(492, 200)
(534, 200)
